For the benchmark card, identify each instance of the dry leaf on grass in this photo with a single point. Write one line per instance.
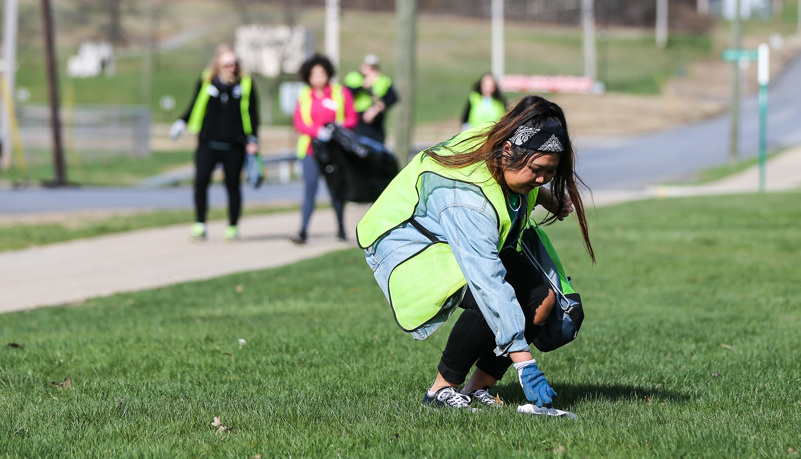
(67, 384)
(218, 425)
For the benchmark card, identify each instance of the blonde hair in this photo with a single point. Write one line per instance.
(221, 49)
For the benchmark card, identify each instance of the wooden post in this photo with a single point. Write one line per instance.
(52, 83)
(405, 73)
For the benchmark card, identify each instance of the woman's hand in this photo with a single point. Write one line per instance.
(567, 210)
(547, 200)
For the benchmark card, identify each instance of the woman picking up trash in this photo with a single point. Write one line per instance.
(444, 235)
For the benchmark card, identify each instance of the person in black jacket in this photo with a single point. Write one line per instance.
(225, 115)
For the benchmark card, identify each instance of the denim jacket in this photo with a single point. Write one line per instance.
(460, 214)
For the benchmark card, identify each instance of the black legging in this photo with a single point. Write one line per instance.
(206, 158)
(472, 341)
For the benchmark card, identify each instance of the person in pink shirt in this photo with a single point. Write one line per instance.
(319, 104)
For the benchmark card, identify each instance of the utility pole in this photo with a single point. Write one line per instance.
(405, 72)
(52, 82)
(661, 23)
(10, 16)
(332, 31)
(588, 24)
(498, 63)
(147, 59)
(734, 108)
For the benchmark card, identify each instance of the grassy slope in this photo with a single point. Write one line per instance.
(689, 349)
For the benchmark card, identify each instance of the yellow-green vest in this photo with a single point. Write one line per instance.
(362, 100)
(305, 100)
(199, 108)
(420, 286)
(480, 113)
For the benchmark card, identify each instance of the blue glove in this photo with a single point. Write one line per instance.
(534, 384)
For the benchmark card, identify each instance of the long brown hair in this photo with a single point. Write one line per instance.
(529, 109)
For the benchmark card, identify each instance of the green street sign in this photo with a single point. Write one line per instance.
(734, 54)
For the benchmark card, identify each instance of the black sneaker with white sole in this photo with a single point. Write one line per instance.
(449, 397)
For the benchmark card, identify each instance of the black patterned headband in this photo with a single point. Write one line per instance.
(548, 137)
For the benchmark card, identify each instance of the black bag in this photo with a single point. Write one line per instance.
(355, 168)
(564, 321)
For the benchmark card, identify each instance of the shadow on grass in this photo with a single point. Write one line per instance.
(571, 394)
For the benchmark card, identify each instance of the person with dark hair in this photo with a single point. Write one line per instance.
(485, 102)
(319, 104)
(373, 95)
(444, 235)
(225, 115)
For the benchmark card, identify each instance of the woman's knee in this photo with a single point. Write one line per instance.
(544, 309)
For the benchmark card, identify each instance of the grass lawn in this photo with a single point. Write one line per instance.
(23, 236)
(112, 170)
(689, 349)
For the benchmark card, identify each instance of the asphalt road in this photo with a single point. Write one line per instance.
(675, 154)
(605, 164)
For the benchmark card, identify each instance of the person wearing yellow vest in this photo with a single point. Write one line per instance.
(319, 104)
(225, 116)
(444, 235)
(485, 102)
(373, 95)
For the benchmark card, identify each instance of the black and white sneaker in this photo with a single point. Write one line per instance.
(449, 397)
(483, 397)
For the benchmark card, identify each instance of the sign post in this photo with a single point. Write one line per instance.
(763, 76)
(762, 56)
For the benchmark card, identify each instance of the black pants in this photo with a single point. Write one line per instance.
(472, 341)
(206, 159)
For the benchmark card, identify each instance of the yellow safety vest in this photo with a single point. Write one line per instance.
(480, 113)
(362, 100)
(199, 108)
(420, 285)
(305, 99)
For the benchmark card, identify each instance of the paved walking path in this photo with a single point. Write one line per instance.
(70, 272)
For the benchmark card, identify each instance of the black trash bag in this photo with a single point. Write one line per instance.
(355, 168)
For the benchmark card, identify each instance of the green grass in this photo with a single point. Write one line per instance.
(452, 53)
(100, 170)
(689, 349)
(23, 236)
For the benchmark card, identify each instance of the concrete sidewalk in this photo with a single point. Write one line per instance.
(71, 272)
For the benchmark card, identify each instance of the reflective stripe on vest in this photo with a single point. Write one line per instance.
(199, 108)
(420, 285)
(305, 100)
(362, 99)
(481, 113)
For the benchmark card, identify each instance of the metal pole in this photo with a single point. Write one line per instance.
(405, 71)
(734, 109)
(588, 23)
(11, 16)
(332, 31)
(661, 23)
(498, 48)
(763, 76)
(52, 80)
